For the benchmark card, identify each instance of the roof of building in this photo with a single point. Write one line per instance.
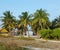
(3, 30)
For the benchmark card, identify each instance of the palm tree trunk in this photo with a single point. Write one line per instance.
(41, 26)
(11, 32)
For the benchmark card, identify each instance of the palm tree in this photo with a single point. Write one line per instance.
(24, 21)
(40, 20)
(8, 20)
(56, 22)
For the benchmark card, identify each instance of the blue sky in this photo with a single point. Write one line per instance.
(18, 6)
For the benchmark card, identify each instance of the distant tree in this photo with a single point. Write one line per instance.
(56, 23)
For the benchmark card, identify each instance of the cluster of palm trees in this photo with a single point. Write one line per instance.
(36, 21)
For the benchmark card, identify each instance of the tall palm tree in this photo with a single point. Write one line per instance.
(40, 20)
(8, 20)
(24, 21)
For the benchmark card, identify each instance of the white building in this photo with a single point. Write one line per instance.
(29, 33)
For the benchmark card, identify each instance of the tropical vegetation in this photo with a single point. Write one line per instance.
(38, 21)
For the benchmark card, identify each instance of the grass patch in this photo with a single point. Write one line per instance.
(26, 38)
(4, 46)
(5, 36)
(17, 37)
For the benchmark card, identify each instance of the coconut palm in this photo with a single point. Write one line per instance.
(24, 21)
(8, 20)
(40, 20)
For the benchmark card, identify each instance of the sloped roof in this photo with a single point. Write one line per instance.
(3, 30)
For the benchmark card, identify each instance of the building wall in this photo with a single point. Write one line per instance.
(29, 33)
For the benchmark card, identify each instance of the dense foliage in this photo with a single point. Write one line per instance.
(38, 21)
(8, 20)
(46, 33)
(56, 33)
(50, 34)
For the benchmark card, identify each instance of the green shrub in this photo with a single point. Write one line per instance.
(50, 34)
(56, 33)
(45, 33)
(42, 33)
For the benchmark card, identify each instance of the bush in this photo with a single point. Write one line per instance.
(50, 34)
(56, 33)
(45, 33)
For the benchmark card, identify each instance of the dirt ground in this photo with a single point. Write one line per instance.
(32, 43)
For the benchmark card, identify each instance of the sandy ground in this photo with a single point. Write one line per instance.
(38, 43)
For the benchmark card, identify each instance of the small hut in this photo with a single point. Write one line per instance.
(3, 30)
